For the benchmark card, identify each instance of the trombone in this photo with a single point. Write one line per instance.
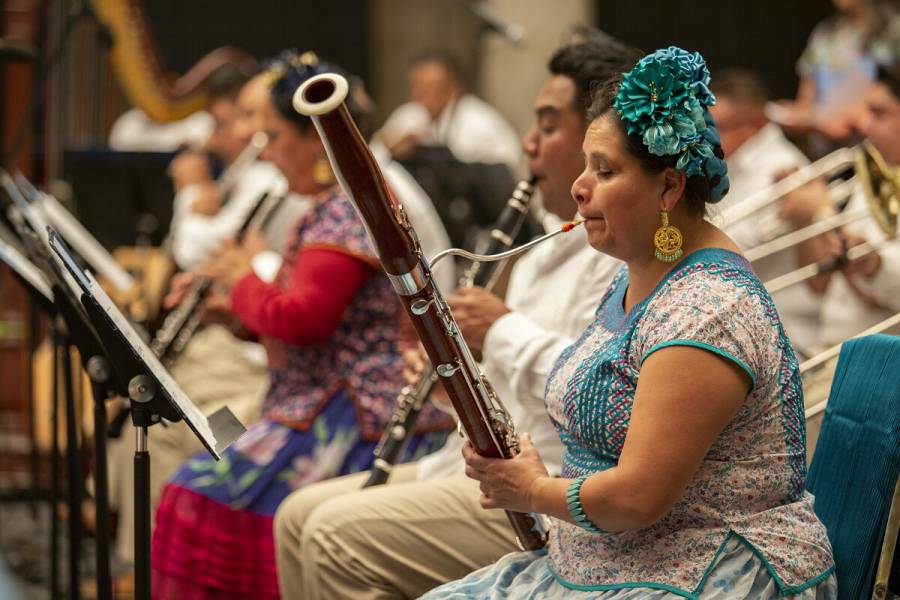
(834, 163)
(880, 184)
(879, 181)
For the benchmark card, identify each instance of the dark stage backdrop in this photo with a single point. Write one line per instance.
(185, 31)
(764, 35)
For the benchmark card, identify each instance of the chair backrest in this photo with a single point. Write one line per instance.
(857, 459)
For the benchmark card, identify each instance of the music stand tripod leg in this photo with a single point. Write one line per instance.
(54, 469)
(74, 476)
(99, 372)
(141, 391)
(34, 460)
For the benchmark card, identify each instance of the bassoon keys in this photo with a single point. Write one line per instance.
(412, 398)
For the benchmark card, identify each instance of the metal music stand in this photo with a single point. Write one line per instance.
(70, 326)
(13, 254)
(153, 394)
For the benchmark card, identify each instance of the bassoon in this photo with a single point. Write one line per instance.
(181, 324)
(412, 398)
(485, 421)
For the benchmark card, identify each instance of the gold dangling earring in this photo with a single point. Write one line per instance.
(322, 173)
(668, 240)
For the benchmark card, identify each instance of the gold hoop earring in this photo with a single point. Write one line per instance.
(322, 173)
(667, 240)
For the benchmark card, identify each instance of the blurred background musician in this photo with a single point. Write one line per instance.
(134, 131)
(838, 62)
(441, 112)
(330, 325)
(758, 153)
(460, 149)
(204, 214)
(865, 291)
(425, 526)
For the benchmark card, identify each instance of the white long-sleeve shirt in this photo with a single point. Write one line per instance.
(134, 131)
(422, 215)
(844, 313)
(473, 130)
(553, 293)
(195, 235)
(752, 168)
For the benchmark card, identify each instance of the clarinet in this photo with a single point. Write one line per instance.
(487, 424)
(412, 398)
(181, 324)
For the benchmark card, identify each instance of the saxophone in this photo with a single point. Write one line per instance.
(483, 418)
(412, 397)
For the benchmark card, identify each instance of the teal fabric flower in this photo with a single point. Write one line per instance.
(661, 139)
(693, 157)
(648, 96)
(664, 99)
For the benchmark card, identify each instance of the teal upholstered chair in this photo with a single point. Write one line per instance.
(854, 469)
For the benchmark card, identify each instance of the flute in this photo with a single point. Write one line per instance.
(181, 324)
(486, 423)
(409, 403)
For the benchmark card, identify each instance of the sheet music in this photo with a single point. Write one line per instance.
(34, 217)
(21, 265)
(48, 211)
(84, 282)
(84, 243)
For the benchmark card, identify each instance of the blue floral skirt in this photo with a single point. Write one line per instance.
(213, 535)
(737, 574)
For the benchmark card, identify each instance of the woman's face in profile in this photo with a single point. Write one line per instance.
(618, 199)
(294, 152)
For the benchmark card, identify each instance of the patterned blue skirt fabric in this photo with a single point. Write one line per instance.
(737, 574)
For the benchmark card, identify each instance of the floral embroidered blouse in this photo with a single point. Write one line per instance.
(751, 483)
(361, 355)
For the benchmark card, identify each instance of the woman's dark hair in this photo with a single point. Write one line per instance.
(293, 77)
(226, 81)
(697, 187)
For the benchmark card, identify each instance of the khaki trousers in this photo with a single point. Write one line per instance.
(214, 372)
(334, 540)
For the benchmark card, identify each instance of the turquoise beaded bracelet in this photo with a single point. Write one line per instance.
(573, 503)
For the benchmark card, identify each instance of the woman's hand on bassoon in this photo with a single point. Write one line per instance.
(508, 483)
(475, 310)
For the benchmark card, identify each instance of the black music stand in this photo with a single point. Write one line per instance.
(70, 326)
(154, 396)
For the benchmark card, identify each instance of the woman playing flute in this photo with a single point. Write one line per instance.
(330, 324)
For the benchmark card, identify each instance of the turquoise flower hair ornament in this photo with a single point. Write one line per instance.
(664, 99)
